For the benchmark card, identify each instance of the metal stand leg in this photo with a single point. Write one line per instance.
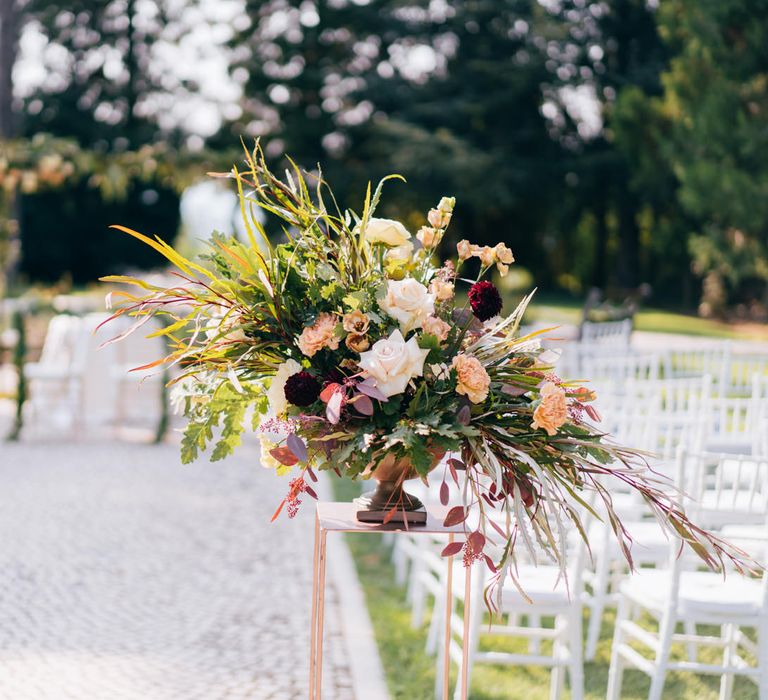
(447, 622)
(320, 614)
(313, 634)
(465, 632)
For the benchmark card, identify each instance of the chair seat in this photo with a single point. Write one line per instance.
(700, 592)
(37, 370)
(649, 541)
(544, 585)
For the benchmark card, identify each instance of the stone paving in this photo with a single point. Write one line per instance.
(127, 576)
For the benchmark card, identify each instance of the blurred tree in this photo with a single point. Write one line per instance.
(105, 87)
(105, 82)
(612, 55)
(716, 99)
(458, 102)
(303, 65)
(8, 48)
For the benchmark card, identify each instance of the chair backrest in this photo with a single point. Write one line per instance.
(731, 423)
(666, 413)
(614, 333)
(719, 490)
(618, 367)
(744, 370)
(714, 361)
(724, 489)
(62, 341)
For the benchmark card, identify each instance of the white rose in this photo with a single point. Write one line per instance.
(386, 231)
(276, 393)
(408, 302)
(392, 362)
(401, 252)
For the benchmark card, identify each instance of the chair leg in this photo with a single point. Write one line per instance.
(762, 655)
(728, 634)
(616, 670)
(575, 644)
(556, 682)
(400, 561)
(662, 658)
(692, 647)
(436, 623)
(534, 644)
(599, 594)
(418, 598)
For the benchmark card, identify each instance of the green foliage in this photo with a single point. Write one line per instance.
(225, 409)
(715, 96)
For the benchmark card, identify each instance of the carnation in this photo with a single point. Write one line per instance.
(485, 300)
(319, 335)
(302, 389)
(471, 378)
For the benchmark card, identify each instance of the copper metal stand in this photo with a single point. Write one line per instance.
(341, 517)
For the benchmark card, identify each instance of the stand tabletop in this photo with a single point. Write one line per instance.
(335, 516)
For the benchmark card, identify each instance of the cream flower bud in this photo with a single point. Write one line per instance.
(504, 254)
(503, 269)
(464, 249)
(429, 237)
(439, 219)
(487, 255)
(442, 290)
(447, 204)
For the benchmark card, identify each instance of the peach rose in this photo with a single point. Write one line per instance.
(319, 335)
(471, 378)
(552, 412)
(437, 327)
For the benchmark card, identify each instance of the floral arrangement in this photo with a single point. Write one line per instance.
(348, 343)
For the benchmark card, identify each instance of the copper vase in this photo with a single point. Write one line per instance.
(391, 474)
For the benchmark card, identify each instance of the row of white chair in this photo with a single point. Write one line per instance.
(724, 491)
(77, 384)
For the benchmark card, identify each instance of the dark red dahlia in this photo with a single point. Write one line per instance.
(302, 389)
(485, 300)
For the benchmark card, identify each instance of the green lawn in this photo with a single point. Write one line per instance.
(655, 320)
(411, 673)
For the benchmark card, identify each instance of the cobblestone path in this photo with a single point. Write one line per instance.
(126, 576)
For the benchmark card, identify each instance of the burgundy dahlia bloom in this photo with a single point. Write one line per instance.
(302, 389)
(485, 300)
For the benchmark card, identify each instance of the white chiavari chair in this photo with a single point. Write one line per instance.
(713, 361)
(56, 381)
(614, 333)
(721, 492)
(546, 597)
